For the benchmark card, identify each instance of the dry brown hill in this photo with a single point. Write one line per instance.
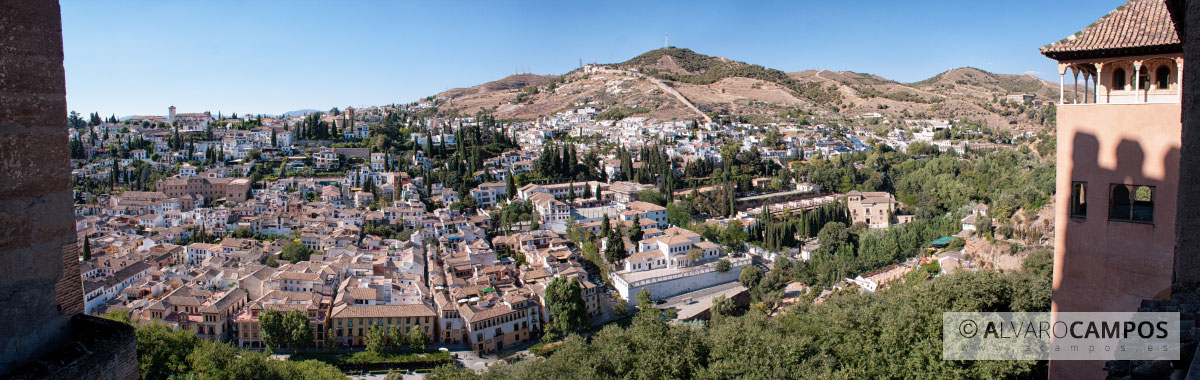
(679, 84)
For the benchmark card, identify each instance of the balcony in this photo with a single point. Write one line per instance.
(1144, 80)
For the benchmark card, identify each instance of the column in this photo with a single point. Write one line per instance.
(1137, 81)
(1062, 75)
(1096, 85)
(1179, 80)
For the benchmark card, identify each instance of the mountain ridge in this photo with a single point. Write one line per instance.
(720, 87)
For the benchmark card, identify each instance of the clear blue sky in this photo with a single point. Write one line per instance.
(138, 57)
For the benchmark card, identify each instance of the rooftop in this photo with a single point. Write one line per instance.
(1136, 27)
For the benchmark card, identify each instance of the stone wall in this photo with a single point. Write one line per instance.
(670, 288)
(1187, 227)
(99, 349)
(37, 234)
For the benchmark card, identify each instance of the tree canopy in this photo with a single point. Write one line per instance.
(568, 312)
(846, 337)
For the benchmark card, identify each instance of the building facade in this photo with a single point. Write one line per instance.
(1118, 164)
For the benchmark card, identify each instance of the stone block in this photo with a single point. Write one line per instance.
(68, 291)
(31, 30)
(31, 75)
(46, 112)
(97, 349)
(32, 170)
(17, 230)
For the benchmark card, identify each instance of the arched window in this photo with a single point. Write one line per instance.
(1118, 79)
(1162, 77)
(1119, 205)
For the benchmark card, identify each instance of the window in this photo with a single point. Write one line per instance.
(1079, 199)
(1162, 77)
(1118, 80)
(1131, 203)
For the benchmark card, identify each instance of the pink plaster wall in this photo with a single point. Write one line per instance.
(1102, 265)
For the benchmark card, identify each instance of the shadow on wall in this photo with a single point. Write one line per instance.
(1116, 231)
(1119, 227)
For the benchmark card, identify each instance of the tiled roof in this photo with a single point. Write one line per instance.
(376, 311)
(1138, 26)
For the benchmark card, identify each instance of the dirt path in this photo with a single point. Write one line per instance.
(669, 90)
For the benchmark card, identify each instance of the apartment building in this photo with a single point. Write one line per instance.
(232, 189)
(250, 336)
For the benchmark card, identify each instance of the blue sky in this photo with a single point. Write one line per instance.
(139, 57)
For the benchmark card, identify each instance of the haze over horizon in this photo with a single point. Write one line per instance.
(274, 57)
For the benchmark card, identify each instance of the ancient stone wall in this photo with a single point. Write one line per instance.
(37, 296)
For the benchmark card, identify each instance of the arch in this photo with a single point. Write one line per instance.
(1119, 204)
(1119, 79)
(1162, 77)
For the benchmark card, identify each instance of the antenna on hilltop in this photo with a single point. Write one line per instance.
(666, 38)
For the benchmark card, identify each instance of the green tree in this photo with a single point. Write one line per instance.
(396, 338)
(750, 276)
(272, 330)
(119, 315)
(734, 235)
(376, 339)
(614, 251)
(87, 249)
(635, 235)
(645, 302)
(652, 196)
(722, 306)
(510, 185)
(242, 232)
(722, 265)
(678, 215)
(299, 331)
(163, 351)
(295, 252)
(568, 311)
(621, 308)
(956, 244)
(416, 339)
(605, 226)
(832, 340)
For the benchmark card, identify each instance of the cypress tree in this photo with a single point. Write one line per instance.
(87, 249)
(510, 185)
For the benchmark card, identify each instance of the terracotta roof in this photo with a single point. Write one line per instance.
(376, 311)
(1138, 26)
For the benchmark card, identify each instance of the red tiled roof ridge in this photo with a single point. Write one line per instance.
(1133, 25)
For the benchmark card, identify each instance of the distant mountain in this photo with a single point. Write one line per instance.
(302, 112)
(680, 84)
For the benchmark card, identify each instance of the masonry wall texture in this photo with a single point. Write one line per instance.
(99, 349)
(1187, 230)
(37, 238)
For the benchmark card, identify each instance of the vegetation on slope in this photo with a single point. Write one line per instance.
(702, 69)
(895, 333)
(165, 353)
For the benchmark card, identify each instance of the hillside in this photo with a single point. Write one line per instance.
(680, 84)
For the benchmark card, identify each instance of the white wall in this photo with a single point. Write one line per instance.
(674, 287)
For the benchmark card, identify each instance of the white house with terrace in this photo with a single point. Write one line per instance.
(662, 266)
